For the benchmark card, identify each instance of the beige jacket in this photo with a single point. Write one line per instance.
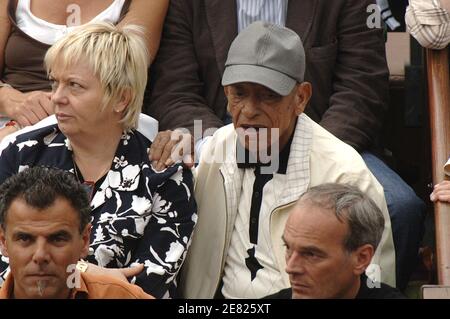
(218, 187)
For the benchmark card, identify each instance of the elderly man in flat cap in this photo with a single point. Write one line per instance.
(252, 172)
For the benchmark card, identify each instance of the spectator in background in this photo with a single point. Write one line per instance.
(44, 231)
(428, 21)
(29, 28)
(139, 214)
(331, 236)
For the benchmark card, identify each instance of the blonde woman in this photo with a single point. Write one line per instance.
(29, 27)
(139, 215)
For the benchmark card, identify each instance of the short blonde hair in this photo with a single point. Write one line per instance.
(118, 57)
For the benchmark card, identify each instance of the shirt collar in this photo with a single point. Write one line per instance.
(7, 288)
(81, 292)
(363, 289)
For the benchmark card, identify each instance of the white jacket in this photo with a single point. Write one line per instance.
(217, 191)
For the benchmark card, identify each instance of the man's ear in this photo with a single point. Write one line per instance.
(124, 101)
(226, 90)
(3, 248)
(85, 237)
(302, 96)
(361, 258)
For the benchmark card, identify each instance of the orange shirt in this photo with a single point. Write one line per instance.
(91, 287)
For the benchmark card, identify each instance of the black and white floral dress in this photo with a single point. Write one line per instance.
(139, 215)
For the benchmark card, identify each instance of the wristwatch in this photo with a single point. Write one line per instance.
(82, 265)
(13, 123)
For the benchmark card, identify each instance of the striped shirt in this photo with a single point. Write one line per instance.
(429, 23)
(249, 11)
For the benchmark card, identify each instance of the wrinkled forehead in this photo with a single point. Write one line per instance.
(259, 89)
(307, 220)
(60, 215)
(251, 86)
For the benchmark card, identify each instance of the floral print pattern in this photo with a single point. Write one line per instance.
(139, 215)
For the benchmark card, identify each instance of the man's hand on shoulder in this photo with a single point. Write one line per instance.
(170, 147)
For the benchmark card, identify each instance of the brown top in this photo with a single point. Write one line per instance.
(24, 56)
(91, 287)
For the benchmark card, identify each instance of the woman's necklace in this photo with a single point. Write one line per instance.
(75, 169)
(81, 178)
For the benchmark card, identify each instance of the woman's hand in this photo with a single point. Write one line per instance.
(119, 273)
(25, 108)
(170, 147)
(441, 192)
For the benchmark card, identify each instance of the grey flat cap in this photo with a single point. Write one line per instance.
(266, 54)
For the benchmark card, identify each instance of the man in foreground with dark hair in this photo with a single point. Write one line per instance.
(44, 231)
(331, 236)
